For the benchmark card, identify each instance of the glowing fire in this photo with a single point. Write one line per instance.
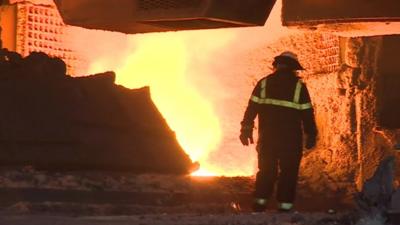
(195, 80)
(160, 61)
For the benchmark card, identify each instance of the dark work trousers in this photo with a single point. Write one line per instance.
(277, 168)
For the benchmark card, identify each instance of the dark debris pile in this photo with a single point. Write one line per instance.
(53, 121)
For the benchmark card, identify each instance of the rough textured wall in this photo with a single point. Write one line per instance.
(332, 165)
(340, 76)
(364, 60)
(359, 62)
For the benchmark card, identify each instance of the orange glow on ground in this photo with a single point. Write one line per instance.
(204, 173)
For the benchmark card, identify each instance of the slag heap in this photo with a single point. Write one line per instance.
(53, 121)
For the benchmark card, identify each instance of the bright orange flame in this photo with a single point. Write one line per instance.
(197, 80)
(160, 61)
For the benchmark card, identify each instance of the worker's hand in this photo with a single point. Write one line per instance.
(246, 136)
(310, 142)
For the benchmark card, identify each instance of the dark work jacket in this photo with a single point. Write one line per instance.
(280, 128)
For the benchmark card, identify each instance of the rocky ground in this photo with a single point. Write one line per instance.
(272, 218)
(83, 198)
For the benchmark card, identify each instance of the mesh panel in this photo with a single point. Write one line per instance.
(168, 4)
(40, 29)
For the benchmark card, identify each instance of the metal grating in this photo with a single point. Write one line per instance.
(168, 4)
(40, 29)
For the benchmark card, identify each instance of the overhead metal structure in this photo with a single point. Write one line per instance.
(140, 16)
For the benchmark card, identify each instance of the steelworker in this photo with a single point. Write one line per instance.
(283, 106)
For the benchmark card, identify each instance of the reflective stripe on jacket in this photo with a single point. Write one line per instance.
(283, 106)
(284, 103)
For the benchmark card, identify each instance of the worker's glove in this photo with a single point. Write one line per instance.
(310, 142)
(246, 135)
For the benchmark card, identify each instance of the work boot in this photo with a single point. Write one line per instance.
(259, 205)
(285, 206)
